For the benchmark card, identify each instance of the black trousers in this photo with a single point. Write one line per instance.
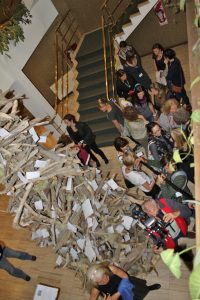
(96, 149)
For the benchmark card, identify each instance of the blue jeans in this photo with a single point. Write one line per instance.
(7, 266)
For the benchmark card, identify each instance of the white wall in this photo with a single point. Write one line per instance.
(43, 14)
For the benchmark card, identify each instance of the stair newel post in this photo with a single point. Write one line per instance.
(111, 60)
(105, 58)
(62, 78)
(56, 72)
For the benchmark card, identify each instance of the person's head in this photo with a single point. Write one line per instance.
(179, 139)
(121, 144)
(121, 75)
(150, 207)
(154, 129)
(167, 163)
(103, 104)
(159, 91)
(170, 106)
(181, 116)
(98, 274)
(130, 114)
(157, 49)
(169, 54)
(69, 120)
(131, 58)
(122, 44)
(129, 159)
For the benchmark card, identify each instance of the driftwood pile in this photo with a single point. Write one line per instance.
(85, 216)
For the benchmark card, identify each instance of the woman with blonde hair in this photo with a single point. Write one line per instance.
(166, 118)
(158, 95)
(137, 177)
(185, 153)
(113, 283)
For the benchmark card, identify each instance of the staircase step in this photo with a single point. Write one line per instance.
(91, 70)
(95, 116)
(104, 140)
(97, 55)
(91, 39)
(93, 92)
(95, 81)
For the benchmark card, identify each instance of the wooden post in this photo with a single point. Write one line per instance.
(195, 98)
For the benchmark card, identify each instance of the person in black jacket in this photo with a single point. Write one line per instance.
(135, 72)
(175, 77)
(81, 134)
(124, 87)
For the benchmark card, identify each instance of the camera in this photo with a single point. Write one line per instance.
(155, 228)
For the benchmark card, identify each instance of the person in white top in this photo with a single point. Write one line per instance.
(137, 177)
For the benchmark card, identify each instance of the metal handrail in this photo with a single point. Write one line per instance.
(105, 56)
(60, 48)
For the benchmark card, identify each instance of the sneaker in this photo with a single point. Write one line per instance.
(27, 278)
(33, 257)
(155, 286)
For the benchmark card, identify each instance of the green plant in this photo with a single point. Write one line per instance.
(11, 29)
(173, 262)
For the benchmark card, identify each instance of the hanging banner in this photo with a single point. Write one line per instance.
(160, 13)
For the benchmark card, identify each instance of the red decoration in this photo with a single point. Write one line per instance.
(160, 13)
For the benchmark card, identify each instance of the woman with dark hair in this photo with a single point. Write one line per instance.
(135, 72)
(81, 134)
(123, 49)
(142, 103)
(159, 64)
(124, 87)
(160, 142)
(175, 77)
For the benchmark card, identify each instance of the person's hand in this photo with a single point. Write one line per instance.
(157, 250)
(160, 180)
(138, 162)
(170, 216)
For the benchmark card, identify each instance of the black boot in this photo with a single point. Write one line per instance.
(155, 286)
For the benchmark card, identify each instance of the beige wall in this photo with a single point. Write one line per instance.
(150, 32)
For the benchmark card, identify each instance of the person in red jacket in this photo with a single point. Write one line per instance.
(176, 216)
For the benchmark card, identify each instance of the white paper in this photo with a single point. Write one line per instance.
(93, 184)
(95, 224)
(43, 139)
(4, 133)
(105, 210)
(40, 163)
(38, 204)
(89, 222)
(97, 204)
(74, 254)
(89, 252)
(112, 184)
(127, 237)
(43, 292)
(69, 183)
(87, 208)
(44, 233)
(128, 249)
(32, 175)
(22, 177)
(34, 135)
(119, 228)
(53, 214)
(59, 260)
(71, 227)
(110, 229)
(81, 243)
(76, 207)
(127, 222)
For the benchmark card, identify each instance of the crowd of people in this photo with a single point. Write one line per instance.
(156, 118)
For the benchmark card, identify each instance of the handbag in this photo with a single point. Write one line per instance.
(84, 156)
(176, 89)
